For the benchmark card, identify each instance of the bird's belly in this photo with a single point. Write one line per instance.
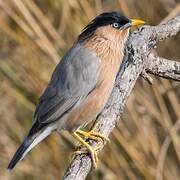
(91, 106)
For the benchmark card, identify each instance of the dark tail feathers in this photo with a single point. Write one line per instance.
(19, 153)
(30, 141)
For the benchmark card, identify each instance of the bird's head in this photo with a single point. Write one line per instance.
(109, 25)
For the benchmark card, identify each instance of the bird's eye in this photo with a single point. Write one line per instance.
(116, 25)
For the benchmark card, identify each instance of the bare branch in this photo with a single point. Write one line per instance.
(138, 48)
(164, 68)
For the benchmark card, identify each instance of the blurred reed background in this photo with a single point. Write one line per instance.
(34, 34)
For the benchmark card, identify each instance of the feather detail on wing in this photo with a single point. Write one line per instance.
(73, 79)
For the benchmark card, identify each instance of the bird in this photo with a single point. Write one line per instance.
(81, 84)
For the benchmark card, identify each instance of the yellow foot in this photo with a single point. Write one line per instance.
(93, 135)
(84, 152)
(81, 151)
(89, 149)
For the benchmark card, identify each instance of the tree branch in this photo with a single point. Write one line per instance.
(138, 48)
(164, 68)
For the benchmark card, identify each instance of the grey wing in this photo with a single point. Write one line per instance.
(73, 79)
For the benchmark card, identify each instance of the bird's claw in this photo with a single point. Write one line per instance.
(86, 148)
(91, 151)
(93, 135)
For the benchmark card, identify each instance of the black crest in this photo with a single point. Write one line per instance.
(103, 19)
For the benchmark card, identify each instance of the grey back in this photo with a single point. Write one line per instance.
(72, 80)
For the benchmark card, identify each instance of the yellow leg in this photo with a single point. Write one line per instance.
(93, 135)
(89, 149)
(93, 151)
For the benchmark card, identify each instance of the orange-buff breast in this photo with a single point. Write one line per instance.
(108, 44)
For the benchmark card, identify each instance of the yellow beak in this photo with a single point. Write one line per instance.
(137, 22)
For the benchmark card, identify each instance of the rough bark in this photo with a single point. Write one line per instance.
(163, 67)
(137, 60)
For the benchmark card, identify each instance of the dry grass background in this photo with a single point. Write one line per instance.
(33, 35)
